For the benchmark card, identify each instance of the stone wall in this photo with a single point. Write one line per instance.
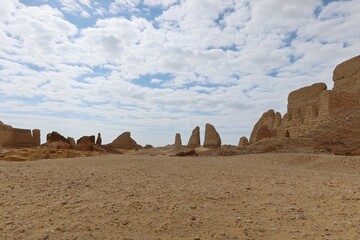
(6, 134)
(346, 76)
(16, 138)
(312, 106)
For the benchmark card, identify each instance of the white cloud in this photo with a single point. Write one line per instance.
(160, 3)
(7, 7)
(81, 7)
(156, 81)
(119, 5)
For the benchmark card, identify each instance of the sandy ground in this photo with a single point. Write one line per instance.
(267, 196)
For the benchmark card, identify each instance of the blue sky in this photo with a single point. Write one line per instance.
(158, 67)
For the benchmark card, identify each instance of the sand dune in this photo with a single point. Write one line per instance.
(265, 196)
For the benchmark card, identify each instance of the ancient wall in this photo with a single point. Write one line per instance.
(311, 106)
(303, 110)
(6, 134)
(16, 138)
(266, 127)
(333, 103)
(124, 141)
(212, 137)
(346, 76)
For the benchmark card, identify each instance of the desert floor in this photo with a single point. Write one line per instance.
(265, 196)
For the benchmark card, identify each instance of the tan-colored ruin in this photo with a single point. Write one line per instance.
(17, 138)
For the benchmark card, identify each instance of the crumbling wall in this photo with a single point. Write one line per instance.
(311, 106)
(346, 76)
(16, 138)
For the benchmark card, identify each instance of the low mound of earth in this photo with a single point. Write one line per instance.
(30, 154)
(257, 196)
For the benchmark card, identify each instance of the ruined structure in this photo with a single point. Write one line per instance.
(194, 140)
(243, 142)
(86, 140)
(17, 138)
(72, 142)
(55, 140)
(124, 141)
(266, 127)
(314, 112)
(99, 140)
(178, 142)
(212, 137)
(55, 137)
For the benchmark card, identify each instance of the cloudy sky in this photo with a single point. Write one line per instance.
(157, 67)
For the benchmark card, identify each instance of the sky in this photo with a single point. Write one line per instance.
(158, 67)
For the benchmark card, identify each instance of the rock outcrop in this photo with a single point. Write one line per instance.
(194, 140)
(17, 138)
(178, 142)
(212, 137)
(124, 141)
(317, 113)
(99, 140)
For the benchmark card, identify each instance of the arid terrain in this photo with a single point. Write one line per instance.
(263, 196)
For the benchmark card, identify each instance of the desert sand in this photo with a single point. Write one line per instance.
(262, 196)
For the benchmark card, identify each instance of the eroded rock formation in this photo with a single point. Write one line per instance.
(212, 137)
(124, 141)
(319, 114)
(16, 138)
(194, 140)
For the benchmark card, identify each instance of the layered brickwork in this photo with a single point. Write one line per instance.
(346, 76)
